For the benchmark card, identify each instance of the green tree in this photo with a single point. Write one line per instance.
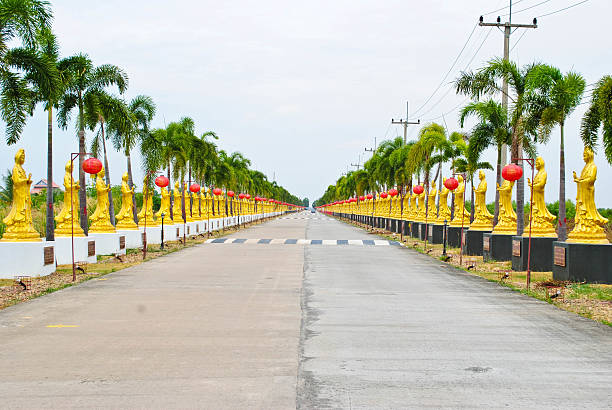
(599, 116)
(82, 78)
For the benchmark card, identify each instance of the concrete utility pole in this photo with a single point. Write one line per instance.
(358, 164)
(405, 123)
(508, 26)
(372, 150)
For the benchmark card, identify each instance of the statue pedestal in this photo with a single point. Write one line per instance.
(133, 238)
(153, 234)
(496, 247)
(541, 253)
(173, 232)
(415, 229)
(454, 235)
(27, 259)
(405, 225)
(423, 231)
(580, 262)
(109, 243)
(435, 233)
(84, 251)
(473, 242)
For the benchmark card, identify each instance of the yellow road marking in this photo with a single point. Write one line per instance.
(62, 325)
(102, 279)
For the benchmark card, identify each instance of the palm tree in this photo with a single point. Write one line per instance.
(47, 94)
(492, 129)
(23, 21)
(552, 98)
(599, 115)
(486, 82)
(82, 79)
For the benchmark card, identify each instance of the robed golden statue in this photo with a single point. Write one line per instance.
(506, 221)
(461, 217)
(125, 217)
(444, 213)
(64, 223)
(542, 225)
(588, 222)
(100, 219)
(18, 222)
(177, 208)
(483, 220)
(165, 206)
(146, 214)
(432, 211)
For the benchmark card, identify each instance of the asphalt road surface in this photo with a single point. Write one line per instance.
(300, 312)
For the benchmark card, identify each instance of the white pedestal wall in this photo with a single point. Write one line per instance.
(133, 238)
(26, 259)
(153, 234)
(108, 243)
(63, 250)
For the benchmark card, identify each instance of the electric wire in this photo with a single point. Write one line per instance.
(501, 8)
(563, 9)
(526, 8)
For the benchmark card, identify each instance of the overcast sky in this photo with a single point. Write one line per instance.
(302, 88)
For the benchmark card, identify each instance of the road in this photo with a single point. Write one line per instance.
(303, 311)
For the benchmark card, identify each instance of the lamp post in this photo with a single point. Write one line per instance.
(91, 166)
(512, 172)
(144, 201)
(162, 182)
(444, 238)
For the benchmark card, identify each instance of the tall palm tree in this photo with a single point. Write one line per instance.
(552, 98)
(487, 82)
(492, 129)
(431, 138)
(21, 22)
(599, 115)
(82, 79)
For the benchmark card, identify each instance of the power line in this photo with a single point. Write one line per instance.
(519, 39)
(527, 8)
(563, 9)
(502, 8)
(448, 72)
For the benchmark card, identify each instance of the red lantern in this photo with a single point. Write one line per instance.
(194, 188)
(393, 192)
(383, 195)
(361, 198)
(230, 194)
(217, 191)
(161, 181)
(271, 200)
(92, 165)
(369, 196)
(512, 172)
(451, 183)
(241, 195)
(418, 189)
(248, 196)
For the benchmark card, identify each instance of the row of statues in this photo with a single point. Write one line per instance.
(19, 226)
(589, 224)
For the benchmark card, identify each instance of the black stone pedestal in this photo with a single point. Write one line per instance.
(406, 228)
(541, 253)
(473, 242)
(398, 226)
(414, 229)
(454, 236)
(435, 233)
(581, 262)
(423, 231)
(496, 247)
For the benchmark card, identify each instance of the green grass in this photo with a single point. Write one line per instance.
(590, 292)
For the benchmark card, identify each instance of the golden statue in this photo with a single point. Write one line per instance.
(195, 206)
(125, 217)
(461, 217)
(419, 215)
(432, 210)
(542, 225)
(146, 212)
(406, 207)
(64, 219)
(414, 207)
(588, 223)
(100, 219)
(18, 222)
(506, 222)
(444, 213)
(177, 209)
(203, 204)
(186, 196)
(165, 207)
(483, 220)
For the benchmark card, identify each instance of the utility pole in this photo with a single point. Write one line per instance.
(372, 150)
(508, 26)
(405, 123)
(358, 164)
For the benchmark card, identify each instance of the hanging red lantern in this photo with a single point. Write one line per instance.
(241, 195)
(92, 165)
(418, 189)
(161, 181)
(194, 188)
(383, 195)
(451, 183)
(230, 194)
(362, 198)
(512, 172)
(271, 200)
(369, 196)
(393, 192)
(248, 196)
(217, 191)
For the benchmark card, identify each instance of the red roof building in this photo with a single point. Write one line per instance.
(42, 184)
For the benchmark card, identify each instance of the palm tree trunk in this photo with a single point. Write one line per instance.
(472, 199)
(82, 188)
(190, 199)
(131, 184)
(50, 236)
(562, 232)
(498, 178)
(171, 196)
(111, 206)
(520, 202)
